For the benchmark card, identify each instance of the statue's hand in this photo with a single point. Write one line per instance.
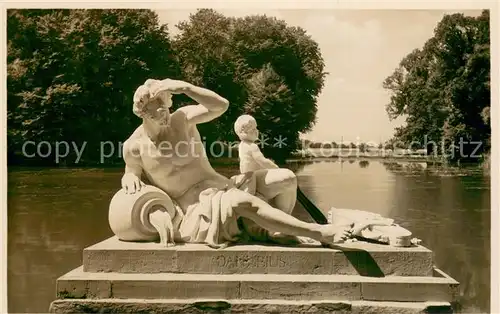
(131, 183)
(169, 85)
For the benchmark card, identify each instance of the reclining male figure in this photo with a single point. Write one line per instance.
(167, 150)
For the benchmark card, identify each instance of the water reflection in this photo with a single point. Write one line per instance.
(364, 163)
(297, 166)
(402, 166)
(54, 214)
(326, 184)
(450, 213)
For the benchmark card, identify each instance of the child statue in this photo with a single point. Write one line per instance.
(253, 166)
(251, 158)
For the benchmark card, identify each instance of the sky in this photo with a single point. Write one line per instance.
(360, 49)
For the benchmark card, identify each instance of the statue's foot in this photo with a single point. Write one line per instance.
(331, 234)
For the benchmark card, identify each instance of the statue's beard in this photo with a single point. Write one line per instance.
(160, 120)
(159, 117)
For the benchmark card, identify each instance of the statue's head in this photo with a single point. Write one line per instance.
(153, 109)
(246, 128)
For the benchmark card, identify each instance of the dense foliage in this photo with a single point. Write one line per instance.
(72, 74)
(262, 66)
(443, 90)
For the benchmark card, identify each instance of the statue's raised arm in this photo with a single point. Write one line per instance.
(185, 199)
(210, 104)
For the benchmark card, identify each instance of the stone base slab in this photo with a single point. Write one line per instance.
(245, 306)
(358, 258)
(80, 284)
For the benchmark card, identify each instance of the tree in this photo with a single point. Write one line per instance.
(72, 74)
(443, 89)
(305, 144)
(363, 147)
(262, 66)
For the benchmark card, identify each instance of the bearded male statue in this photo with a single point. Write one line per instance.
(170, 189)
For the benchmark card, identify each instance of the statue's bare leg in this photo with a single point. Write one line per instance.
(279, 186)
(264, 215)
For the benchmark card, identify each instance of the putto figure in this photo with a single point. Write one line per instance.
(251, 158)
(175, 190)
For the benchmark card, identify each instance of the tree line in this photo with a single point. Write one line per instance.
(443, 90)
(363, 147)
(312, 144)
(72, 75)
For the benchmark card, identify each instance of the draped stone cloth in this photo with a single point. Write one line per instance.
(212, 220)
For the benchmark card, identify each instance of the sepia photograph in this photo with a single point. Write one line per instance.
(249, 159)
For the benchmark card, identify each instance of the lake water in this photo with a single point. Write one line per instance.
(53, 214)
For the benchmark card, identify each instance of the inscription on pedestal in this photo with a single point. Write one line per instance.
(242, 261)
(115, 256)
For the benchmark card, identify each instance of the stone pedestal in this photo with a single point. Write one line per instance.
(359, 277)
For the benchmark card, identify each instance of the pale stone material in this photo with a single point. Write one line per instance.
(129, 213)
(368, 259)
(170, 191)
(250, 156)
(262, 171)
(166, 151)
(249, 286)
(394, 290)
(199, 306)
(296, 288)
(379, 228)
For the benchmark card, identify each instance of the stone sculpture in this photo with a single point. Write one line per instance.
(250, 156)
(255, 165)
(169, 187)
(378, 228)
(261, 173)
